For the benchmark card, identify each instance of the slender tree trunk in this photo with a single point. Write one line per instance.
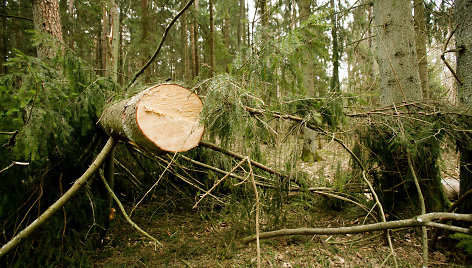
(192, 51)
(196, 56)
(184, 54)
(47, 20)
(463, 17)
(104, 41)
(309, 150)
(4, 50)
(212, 36)
(420, 33)
(242, 18)
(121, 50)
(334, 83)
(144, 37)
(262, 9)
(115, 44)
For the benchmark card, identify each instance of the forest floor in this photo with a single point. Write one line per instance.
(198, 238)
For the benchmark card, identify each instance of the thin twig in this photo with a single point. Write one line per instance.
(110, 191)
(240, 157)
(160, 44)
(219, 181)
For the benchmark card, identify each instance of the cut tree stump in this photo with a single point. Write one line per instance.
(164, 117)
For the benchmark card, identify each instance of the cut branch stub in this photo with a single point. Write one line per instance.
(161, 118)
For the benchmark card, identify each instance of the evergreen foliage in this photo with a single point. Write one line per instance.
(54, 104)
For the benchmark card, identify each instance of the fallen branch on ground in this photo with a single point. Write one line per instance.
(419, 221)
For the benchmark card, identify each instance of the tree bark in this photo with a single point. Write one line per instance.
(115, 43)
(463, 17)
(396, 52)
(104, 41)
(334, 83)
(161, 118)
(194, 40)
(420, 34)
(242, 18)
(47, 20)
(184, 47)
(309, 149)
(212, 36)
(144, 36)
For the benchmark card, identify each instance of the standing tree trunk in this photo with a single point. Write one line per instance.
(399, 82)
(396, 52)
(309, 150)
(194, 40)
(184, 48)
(334, 83)
(47, 20)
(4, 47)
(420, 33)
(144, 37)
(115, 43)
(242, 18)
(463, 18)
(104, 41)
(212, 37)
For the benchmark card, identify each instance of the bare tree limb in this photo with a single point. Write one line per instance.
(166, 31)
(240, 157)
(422, 220)
(219, 181)
(61, 201)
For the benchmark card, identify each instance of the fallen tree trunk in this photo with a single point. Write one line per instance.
(161, 118)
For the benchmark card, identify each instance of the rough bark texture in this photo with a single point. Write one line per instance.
(309, 153)
(420, 34)
(399, 81)
(160, 118)
(463, 17)
(396, 52)
(47, 20)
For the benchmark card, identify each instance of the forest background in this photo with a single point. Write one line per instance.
(390, 81)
